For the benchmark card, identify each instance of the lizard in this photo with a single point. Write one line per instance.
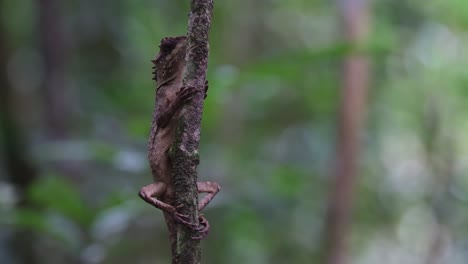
(171, 96)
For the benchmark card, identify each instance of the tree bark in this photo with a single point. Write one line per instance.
(184, 152)
(355, 81)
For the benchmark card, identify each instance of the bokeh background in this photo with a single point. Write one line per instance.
(76, 102)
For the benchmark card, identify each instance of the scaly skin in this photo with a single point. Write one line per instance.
(171, 96)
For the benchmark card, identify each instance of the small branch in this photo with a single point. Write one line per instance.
(54, 49)
(19, 166)
(355, 85)
(184, 152)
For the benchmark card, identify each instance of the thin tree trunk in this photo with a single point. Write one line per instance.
(440, 151)
(184, 152)
(54, 50)
(19, 166)
(56, 90)
(354, 14)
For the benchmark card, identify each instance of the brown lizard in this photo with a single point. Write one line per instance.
(171, 96)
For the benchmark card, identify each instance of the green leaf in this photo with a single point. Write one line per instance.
(57, 194)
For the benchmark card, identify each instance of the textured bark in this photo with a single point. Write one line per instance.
(354, 14)
(184, 152)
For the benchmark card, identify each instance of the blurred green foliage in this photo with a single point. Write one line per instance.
(57, 195)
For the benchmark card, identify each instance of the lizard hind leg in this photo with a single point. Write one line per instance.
(202, 229)
(211, 188)
(152, 193)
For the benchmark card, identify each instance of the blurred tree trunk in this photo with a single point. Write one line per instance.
(355, 79)
(20, 169)
(440, 152)
(56, 91)
(54, 51)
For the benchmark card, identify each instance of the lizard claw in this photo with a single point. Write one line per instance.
(183, 218)
(201, 228)
(206, 89)
(186, 93)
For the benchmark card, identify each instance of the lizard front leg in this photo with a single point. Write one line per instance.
(184, 95)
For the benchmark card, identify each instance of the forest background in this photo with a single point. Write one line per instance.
(76, 98)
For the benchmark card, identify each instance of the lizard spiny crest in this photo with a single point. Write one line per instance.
(170, 57)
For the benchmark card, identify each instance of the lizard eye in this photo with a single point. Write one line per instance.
(167, 45)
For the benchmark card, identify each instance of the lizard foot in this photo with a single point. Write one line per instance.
(183, 219)
(186, 94)
(201, 228)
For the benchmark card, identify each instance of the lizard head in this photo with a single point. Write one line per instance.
(170, 60)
